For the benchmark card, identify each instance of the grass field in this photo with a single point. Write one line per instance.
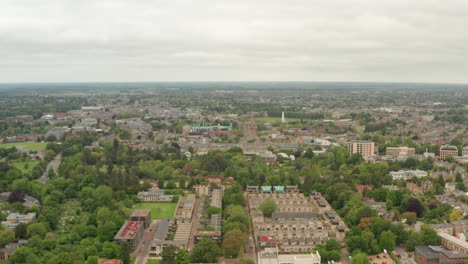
(154, 261)
(20, 165)
(158, 210)
(273, 120)
(34, 146)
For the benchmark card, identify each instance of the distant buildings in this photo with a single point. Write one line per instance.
(447, 151)
(400, 151)
(15, 219)
(206, 130)
(271, 256)
(465, 151)
(407, 174)
(155, 196)
(9, 249)
(364, 147)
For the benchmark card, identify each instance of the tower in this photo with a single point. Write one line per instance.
(282, 117)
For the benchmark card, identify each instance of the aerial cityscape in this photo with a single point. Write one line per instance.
(233, 132)
(234, 173)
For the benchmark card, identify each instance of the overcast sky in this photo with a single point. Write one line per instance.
(235, 40)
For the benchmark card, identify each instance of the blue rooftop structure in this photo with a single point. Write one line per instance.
(266, 189)
(279, 189)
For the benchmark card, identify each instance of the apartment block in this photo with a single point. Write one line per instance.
(400, 151)
(447, 151)
(365, 147)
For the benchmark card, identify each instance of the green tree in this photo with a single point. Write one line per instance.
(182, 257)
(6, 236)
(268, 207)
(36, 229)
(92, 260)
(213, 210)
(360, 258)
(21, 231)
(233, 243)
(206, 251)
(429, 236)
(387, 240)
(169, 255)
(125, 251)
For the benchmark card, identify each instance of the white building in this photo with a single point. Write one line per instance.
(271, 256)
(408, 174)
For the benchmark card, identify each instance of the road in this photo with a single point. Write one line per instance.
(142, 251)
(345, 256)
(54, 164)
(404, 256)
(195, 223)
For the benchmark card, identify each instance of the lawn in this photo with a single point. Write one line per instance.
(154, 261)
(158, 210)
(34, 146)
(20, 165)
(273, 120)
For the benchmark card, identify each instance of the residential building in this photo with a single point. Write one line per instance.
(272, 256)
(8, 250)
(155, 195)
(453, 243)
(364, 147)
(452, 257)
(202, 189)
(427, 254)
(419, 189)
(447, 151)
(216, 198)
(400, 151)
(110, 261)
(185, 206)
(143, 215)
(15, 219)
(131, 232)
(408, 174)
(465, 151)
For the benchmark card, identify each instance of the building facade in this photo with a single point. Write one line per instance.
(364, 147)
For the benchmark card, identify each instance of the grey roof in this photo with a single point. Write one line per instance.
(162, 230)
(294, 215)
(427, 252)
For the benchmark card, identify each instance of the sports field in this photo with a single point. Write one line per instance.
(158, 210)
(34, 146)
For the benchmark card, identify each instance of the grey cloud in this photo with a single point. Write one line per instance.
(274, 40)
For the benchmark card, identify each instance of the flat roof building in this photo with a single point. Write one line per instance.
(365, 147)
(131, 232)
(143, 215)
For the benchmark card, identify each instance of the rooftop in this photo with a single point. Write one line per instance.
(141, 212)
(129, 230)
(110, 261)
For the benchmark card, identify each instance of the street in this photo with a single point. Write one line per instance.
(142, 251)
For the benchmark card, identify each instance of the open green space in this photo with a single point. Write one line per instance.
(154, 261)
(273, 120)
(158, 210)
(21, 165)
(34, 146)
